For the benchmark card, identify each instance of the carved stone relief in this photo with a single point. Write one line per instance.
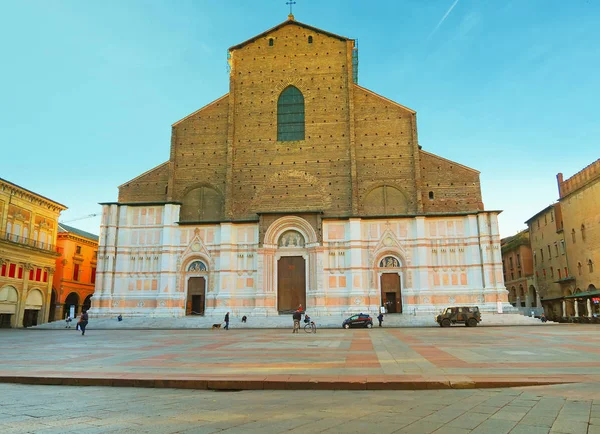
(291, 239)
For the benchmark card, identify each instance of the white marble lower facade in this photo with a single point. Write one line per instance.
(149, 265)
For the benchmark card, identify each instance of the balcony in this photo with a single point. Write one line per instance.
(27, 242)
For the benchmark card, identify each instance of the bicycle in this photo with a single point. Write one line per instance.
(310, 327)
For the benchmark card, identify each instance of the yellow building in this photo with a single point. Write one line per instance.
(580, 203)
(552, 274)
(28, 229)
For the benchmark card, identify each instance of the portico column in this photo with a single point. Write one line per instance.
(537, 299)
(589, 307)
(518, 301)
(564, 308)
(576, 307)
(46, 307)
(18, 321)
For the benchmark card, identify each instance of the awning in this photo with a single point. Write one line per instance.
(551, 299)
(586, 294)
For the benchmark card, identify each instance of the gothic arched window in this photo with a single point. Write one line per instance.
(290, 115)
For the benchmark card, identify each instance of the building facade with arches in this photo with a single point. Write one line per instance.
(28, 231)
(75, 277)
(299, 186)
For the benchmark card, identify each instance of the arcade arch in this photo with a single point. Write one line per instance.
(9, 298)
(72, 300)
(33, 306)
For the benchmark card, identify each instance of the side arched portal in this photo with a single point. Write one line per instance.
(389, 269)
(196, 275)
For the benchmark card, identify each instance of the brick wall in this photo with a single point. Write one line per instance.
(306, 175)
(199, 151)
(359, 157)
(385, 154)
(148, 187)
(581, 217)
(455, 187)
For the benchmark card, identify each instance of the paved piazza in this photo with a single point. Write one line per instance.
(463, 363)
(533, 410)
(270, 359)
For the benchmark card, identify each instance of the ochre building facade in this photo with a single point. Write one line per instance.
(551, 269)
(75, 276)
(580, 204)
(298, 187)
(28, 230)
(517, 266)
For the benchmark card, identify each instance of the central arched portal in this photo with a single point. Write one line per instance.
(291, 272)
(291, 283)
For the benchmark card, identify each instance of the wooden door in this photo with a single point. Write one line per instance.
(196, 296)
(390, 292)
(291, 283)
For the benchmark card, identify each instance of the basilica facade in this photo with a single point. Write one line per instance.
(298, 186)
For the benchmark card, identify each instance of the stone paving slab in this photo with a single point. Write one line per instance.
(376, 359)
(60, 409)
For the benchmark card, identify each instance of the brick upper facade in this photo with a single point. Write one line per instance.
(360, 155)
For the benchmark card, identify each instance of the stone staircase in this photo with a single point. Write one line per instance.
(285, 321)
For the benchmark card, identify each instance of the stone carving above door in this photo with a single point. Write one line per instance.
(389, 262)
(291, 239)
(196, 267)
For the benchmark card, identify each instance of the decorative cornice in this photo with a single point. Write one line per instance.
(17, 190)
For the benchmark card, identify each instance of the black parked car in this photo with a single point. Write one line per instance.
(360, 320)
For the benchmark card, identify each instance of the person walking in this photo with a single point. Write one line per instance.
(380, 318)
(68, 321)
(227, 321)
(296, 317)
(83, 322)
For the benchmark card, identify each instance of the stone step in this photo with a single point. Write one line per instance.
(284, 321)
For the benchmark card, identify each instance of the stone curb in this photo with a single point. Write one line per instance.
(315, 383)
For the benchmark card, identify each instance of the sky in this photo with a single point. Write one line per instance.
(89, 89)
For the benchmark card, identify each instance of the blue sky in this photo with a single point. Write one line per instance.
(90, 89)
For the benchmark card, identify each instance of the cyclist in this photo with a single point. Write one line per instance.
(306, 318)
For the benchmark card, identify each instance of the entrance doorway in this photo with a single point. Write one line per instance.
(291, 283)
(5, 320)
(30, 317)
(391, 297)
(196, 296)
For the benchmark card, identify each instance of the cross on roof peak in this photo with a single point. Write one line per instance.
(291, 3)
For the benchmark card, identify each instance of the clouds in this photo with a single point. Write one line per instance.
(443, 19)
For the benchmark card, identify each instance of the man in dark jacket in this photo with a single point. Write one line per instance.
(227, 321)
(297, 317)
(84, 322)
